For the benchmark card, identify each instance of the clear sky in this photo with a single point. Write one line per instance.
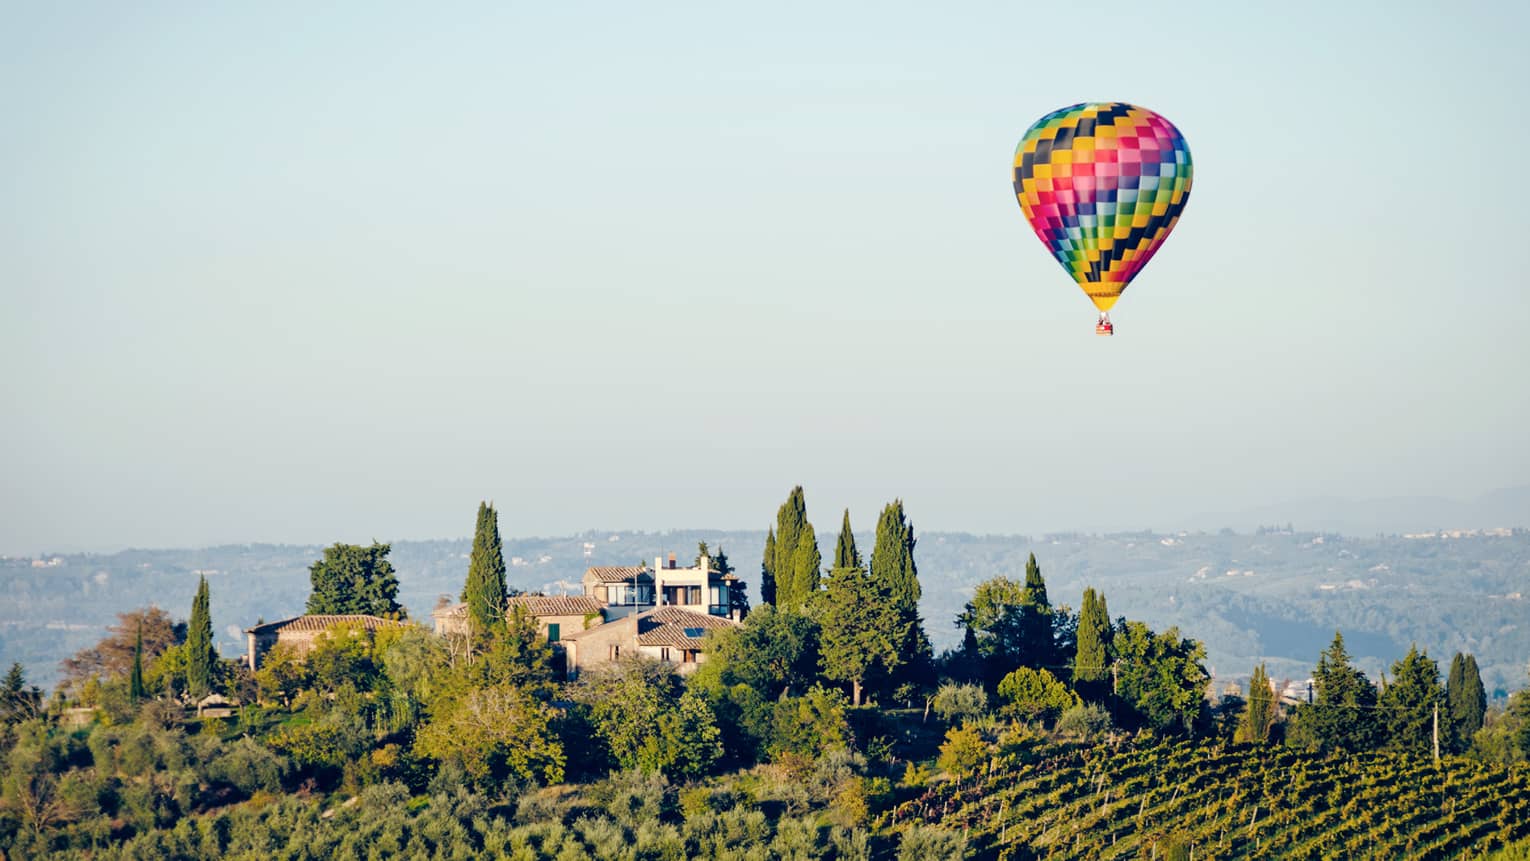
(317, 272)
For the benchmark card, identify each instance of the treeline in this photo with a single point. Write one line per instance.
(808, 725)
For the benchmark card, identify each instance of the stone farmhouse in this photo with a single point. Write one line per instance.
(298, 633)
(661, 612)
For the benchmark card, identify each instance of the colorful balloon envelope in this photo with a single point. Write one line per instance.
(1102, 184)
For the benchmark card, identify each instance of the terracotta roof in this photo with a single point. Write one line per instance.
(321, 622)
(559, 605)
(537, 605)
(619, 573)
(673, 626)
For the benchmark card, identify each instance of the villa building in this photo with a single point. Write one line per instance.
(661, 612)
(300, 632)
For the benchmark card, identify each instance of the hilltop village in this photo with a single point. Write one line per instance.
(661, 613)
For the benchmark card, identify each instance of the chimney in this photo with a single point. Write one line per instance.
(671, 559)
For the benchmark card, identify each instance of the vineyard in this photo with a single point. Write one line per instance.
(1164, 799)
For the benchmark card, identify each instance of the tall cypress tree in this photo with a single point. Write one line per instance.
(768, 570)
(892, 559)
(783, 580)
(485, 591)
(1091, 658)
(807, 562)
(1036, 646)
(200, 657)
(845, 554)
(1466, 702)
(894, 573)
(135, 676)
(1259, 714)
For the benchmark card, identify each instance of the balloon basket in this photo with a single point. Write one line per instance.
(1105, 329)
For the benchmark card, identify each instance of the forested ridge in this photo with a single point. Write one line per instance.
(824, 725)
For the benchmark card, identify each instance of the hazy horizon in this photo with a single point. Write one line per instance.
(1395, 516)
(303, 275)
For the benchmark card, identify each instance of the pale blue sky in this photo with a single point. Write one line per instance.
(277, 273)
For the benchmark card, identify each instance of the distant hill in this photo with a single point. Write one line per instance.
(1262, 595)
(1507, 507)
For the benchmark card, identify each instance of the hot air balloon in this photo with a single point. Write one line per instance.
(1102, 184)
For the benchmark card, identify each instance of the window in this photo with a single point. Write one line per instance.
(627, 595)
(553, 630)
(664, 653)
(695, 633)
(616, 651)
(688, 656)
(693, 595)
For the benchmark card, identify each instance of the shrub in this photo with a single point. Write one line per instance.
(928, 843)
(1084, 722)
(959, 703)
(963, 753)
(1036, 695)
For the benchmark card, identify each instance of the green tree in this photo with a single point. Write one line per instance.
(1466, 702)
(1091, 670)
(806, 565)
(789, 572)
(639, 709)
(863, 631)
(695, 739)
(1162, 678)
(496, 732)
(1343, 716)
(354, 580)
(135, 676)
(845, 553)
(774, 652)
(1259, 713)
(516, 654)
(810, 725)
(485, 590)
(1036, 695)
(17, 701)
(1519, 712)
(201, 657)
(894, 573)
(1409, 703)
(992, 620)
(768, 570)
(1036, 644)
(343, 654)
(963, 753)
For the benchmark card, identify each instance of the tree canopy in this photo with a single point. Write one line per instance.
(485, 592)
(354, 580)
(1343, 715)
(1408, 704)
(201, 656)
(1466, 702)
